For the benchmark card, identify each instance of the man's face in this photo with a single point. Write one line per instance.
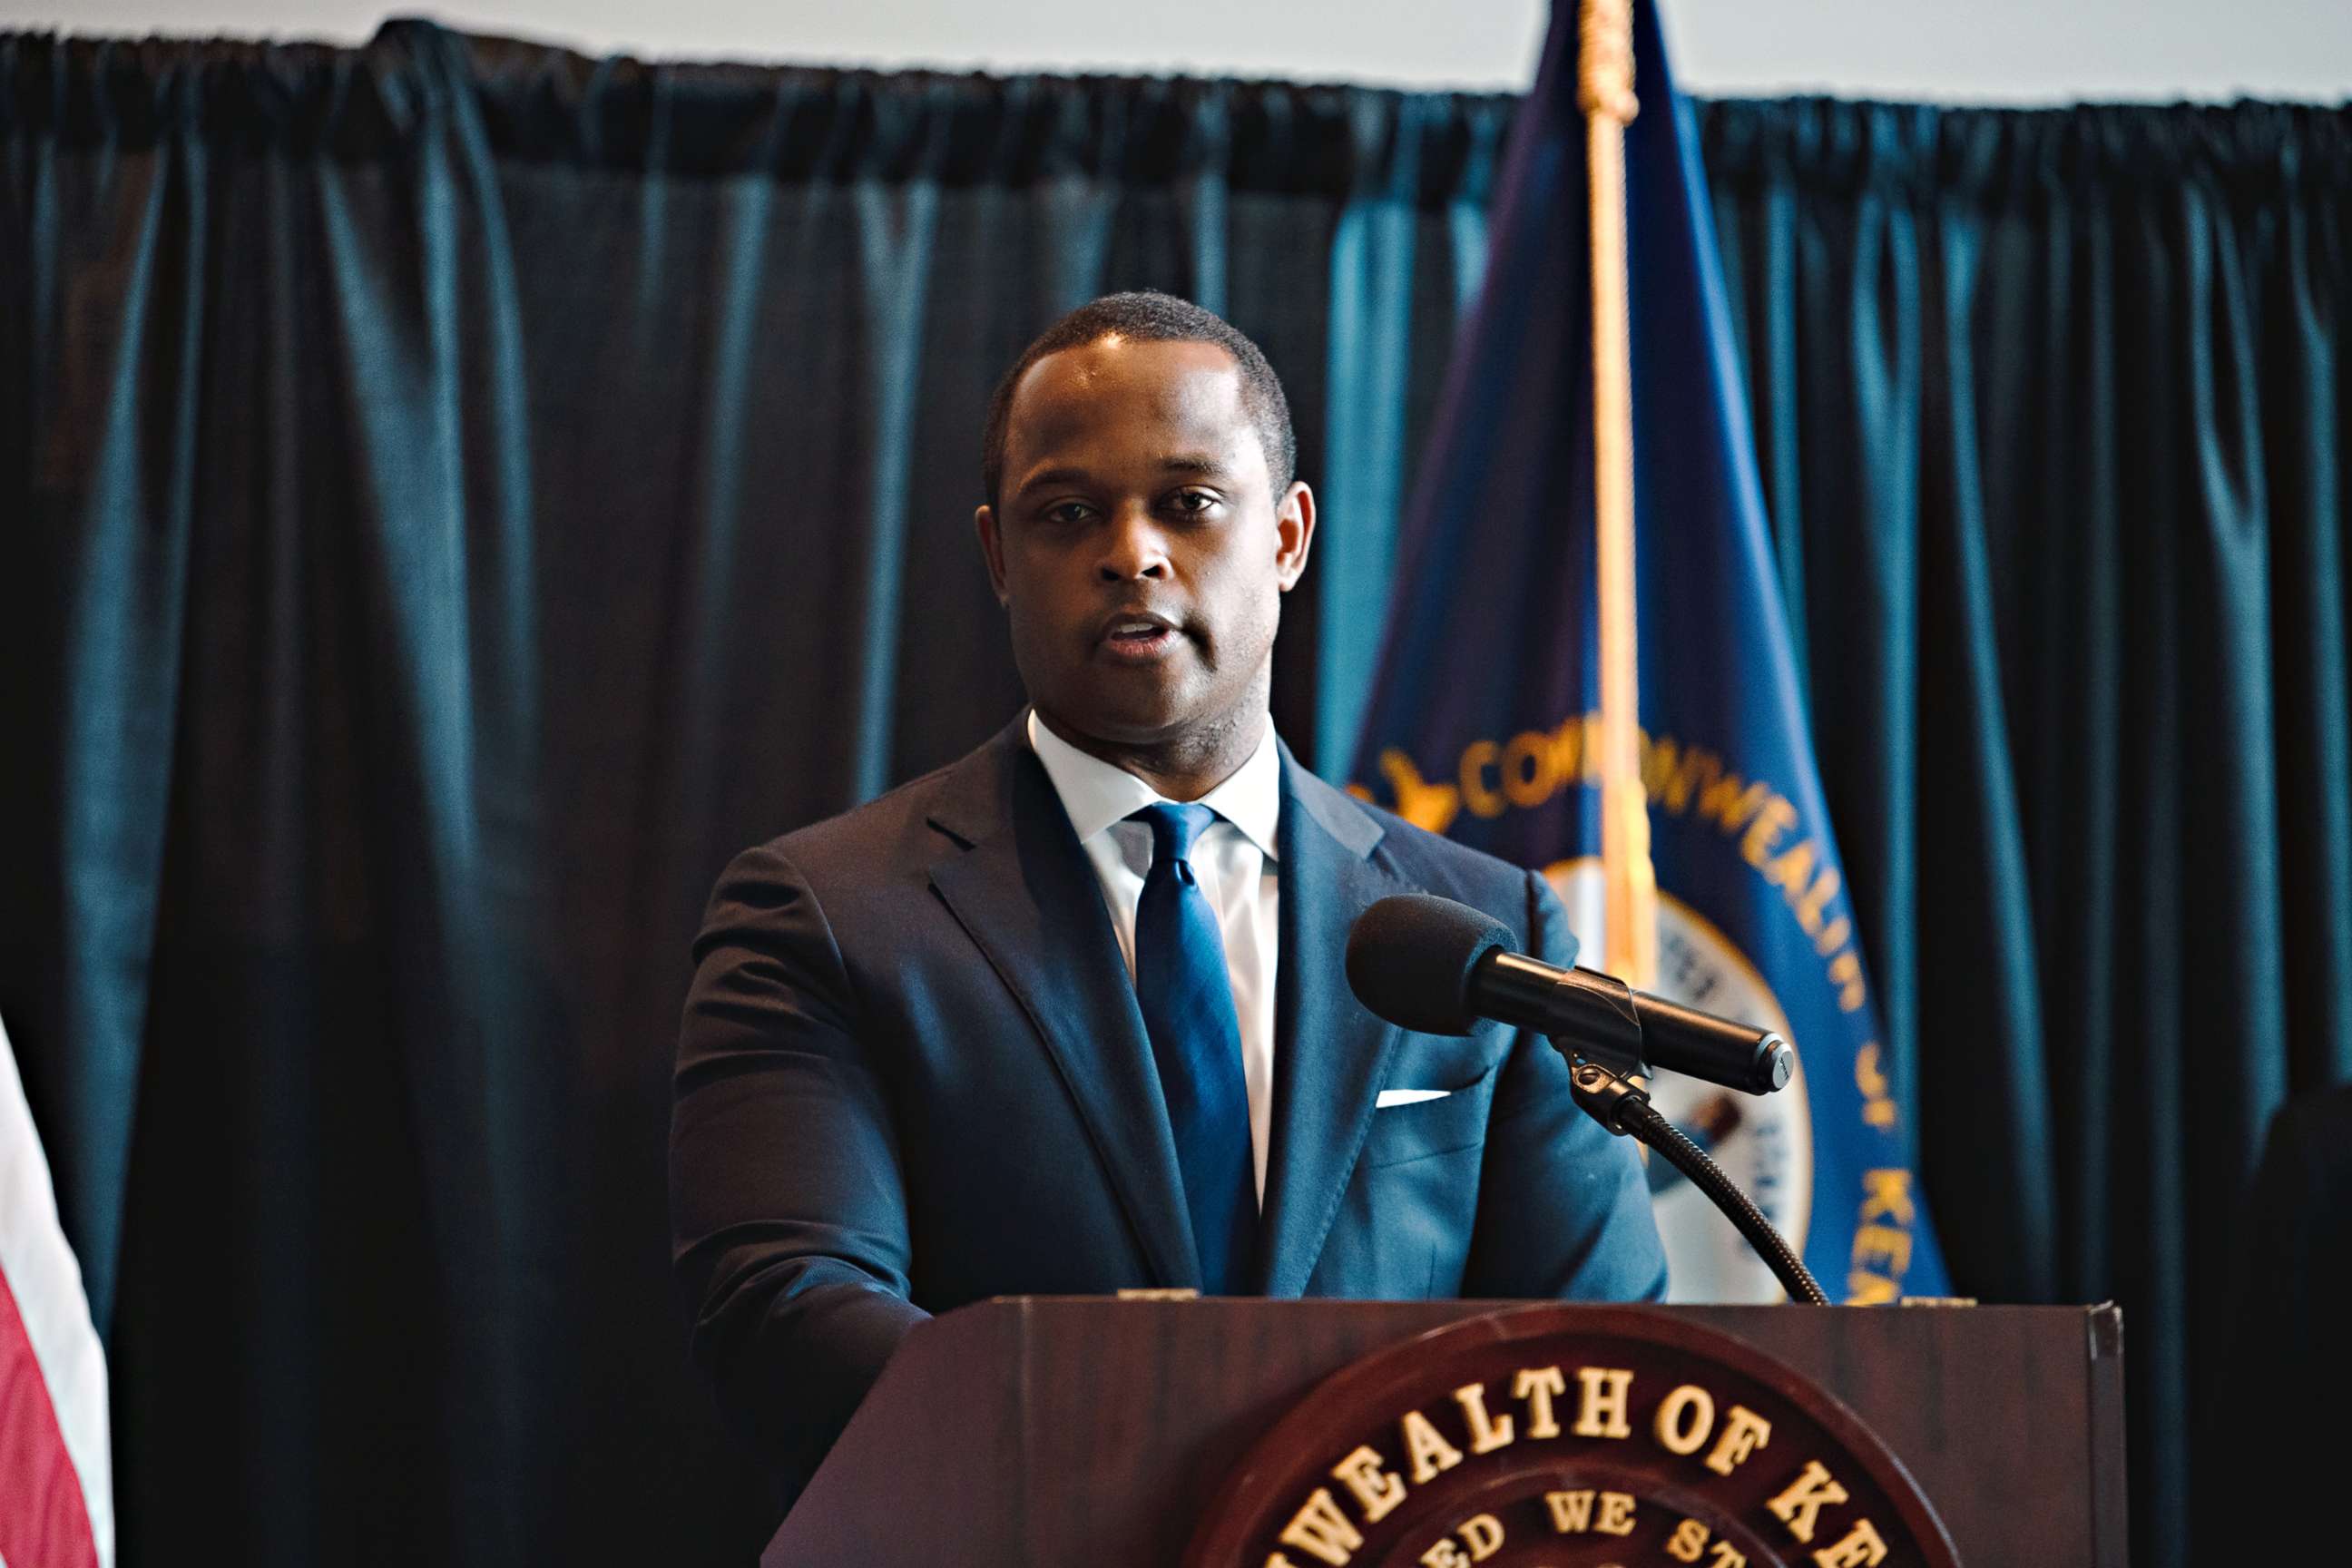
(1137, 545)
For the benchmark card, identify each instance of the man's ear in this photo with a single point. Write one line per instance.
(991, 548)
(1294, 527)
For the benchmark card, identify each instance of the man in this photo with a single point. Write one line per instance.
(1069, 1015)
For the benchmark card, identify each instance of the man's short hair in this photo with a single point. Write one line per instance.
(1152, 317)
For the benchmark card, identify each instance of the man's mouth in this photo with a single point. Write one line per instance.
(1137, 635)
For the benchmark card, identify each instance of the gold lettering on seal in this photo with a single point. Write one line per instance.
(1684, 1418)
(1574, 1512)
(1322, 1531)
(1378, 1491)
(1539, 1385)
(1744, 1431)
(1860, 1547)
(1487, 1432)
(1571, 1512)
(1603, 1414)
(1689, 1543)
(1482, 1534)
(1800, 1506)
(1431, 1453)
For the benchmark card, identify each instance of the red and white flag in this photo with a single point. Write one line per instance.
(56, 1492)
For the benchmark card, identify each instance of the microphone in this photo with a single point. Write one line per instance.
(1437, 967)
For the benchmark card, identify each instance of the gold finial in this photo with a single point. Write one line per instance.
(1605, 61)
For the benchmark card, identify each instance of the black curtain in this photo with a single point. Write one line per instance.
(456, 493)
(2053, 408)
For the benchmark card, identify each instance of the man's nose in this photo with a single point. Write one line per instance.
(1134, 548)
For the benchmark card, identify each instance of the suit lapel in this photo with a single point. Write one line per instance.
(1331, 1053)
(1024, 891)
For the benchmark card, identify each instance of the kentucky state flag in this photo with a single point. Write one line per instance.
(1484, 723)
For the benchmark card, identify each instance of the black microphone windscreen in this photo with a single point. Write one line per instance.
(1410, 960)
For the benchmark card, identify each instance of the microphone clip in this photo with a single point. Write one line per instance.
(1614, 1098)
(1619, 1102)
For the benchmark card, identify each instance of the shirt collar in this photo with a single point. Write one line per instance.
(1096, 794)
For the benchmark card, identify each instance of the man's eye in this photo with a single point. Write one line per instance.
(1068, 512)
(1193, 502)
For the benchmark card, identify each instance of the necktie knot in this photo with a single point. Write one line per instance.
(1175, 829)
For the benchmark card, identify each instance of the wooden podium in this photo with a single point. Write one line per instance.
(1037, 1432)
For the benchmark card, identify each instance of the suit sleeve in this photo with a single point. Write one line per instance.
(788, 1221)
(1564, 1209)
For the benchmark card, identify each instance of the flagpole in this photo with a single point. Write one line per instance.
(1605, 83)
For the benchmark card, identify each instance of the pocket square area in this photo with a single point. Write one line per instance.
(1408, 1097)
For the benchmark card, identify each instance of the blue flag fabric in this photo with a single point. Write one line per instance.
(1484, 722)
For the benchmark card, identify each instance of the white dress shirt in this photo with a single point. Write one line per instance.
(1234, 861)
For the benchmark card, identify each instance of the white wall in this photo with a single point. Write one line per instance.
(1929, 50)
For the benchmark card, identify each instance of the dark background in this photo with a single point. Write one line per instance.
(456, 493)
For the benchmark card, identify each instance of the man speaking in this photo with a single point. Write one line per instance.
(1069, 1015)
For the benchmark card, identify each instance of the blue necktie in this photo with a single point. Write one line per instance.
(1187, 1000)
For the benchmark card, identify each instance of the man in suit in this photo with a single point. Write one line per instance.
(1069, 1015)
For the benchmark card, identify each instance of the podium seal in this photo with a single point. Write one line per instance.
(1551, 1437)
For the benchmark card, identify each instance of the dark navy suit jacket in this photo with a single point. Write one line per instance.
(912, 1074)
